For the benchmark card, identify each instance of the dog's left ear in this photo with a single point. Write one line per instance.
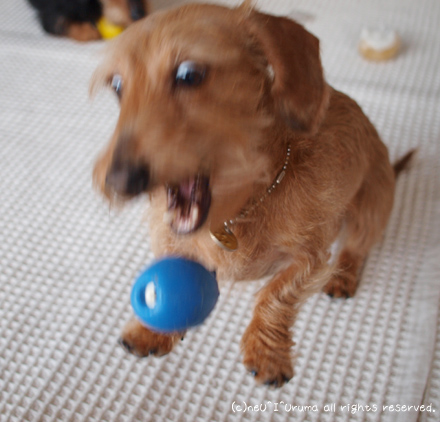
(299, 89)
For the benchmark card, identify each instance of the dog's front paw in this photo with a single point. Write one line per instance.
(267, 357)
(140, 341)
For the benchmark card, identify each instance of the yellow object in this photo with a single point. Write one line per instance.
(107, 29)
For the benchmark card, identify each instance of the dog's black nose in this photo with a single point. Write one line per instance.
(137, 9)
(128, 180)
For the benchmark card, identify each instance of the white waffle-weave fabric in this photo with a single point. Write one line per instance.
(67, 263)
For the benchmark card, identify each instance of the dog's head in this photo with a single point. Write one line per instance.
(207, 98)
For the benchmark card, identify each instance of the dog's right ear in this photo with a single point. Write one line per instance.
(299, 89)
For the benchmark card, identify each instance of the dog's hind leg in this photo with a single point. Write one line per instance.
(345, 281)
(366, 219)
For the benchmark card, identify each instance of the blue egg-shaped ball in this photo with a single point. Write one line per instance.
(174, 294)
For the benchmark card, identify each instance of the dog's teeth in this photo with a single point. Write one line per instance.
(183, 225)
(194, 215)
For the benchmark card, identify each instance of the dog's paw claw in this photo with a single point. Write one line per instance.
(276, 382)
(286, 379)
(272, 367)
(272, 372)
(127, 347)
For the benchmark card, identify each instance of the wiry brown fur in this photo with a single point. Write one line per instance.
(264, 89)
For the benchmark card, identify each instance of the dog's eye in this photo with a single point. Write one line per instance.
(116, 84)
(189, 74)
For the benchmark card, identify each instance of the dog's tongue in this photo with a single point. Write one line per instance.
(186, 188)
(188, 204)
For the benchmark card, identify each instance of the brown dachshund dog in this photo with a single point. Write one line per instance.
(253, 164)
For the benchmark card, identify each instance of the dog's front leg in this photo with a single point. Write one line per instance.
(267, 342)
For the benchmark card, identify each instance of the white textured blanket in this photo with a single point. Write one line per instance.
(67, 263)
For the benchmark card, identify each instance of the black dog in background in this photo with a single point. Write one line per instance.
(77, 18)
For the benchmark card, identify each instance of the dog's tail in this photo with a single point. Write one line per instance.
(403, 162)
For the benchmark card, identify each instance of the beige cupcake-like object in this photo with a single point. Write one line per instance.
(379, 43)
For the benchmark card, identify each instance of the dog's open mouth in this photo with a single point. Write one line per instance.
(188, 204)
